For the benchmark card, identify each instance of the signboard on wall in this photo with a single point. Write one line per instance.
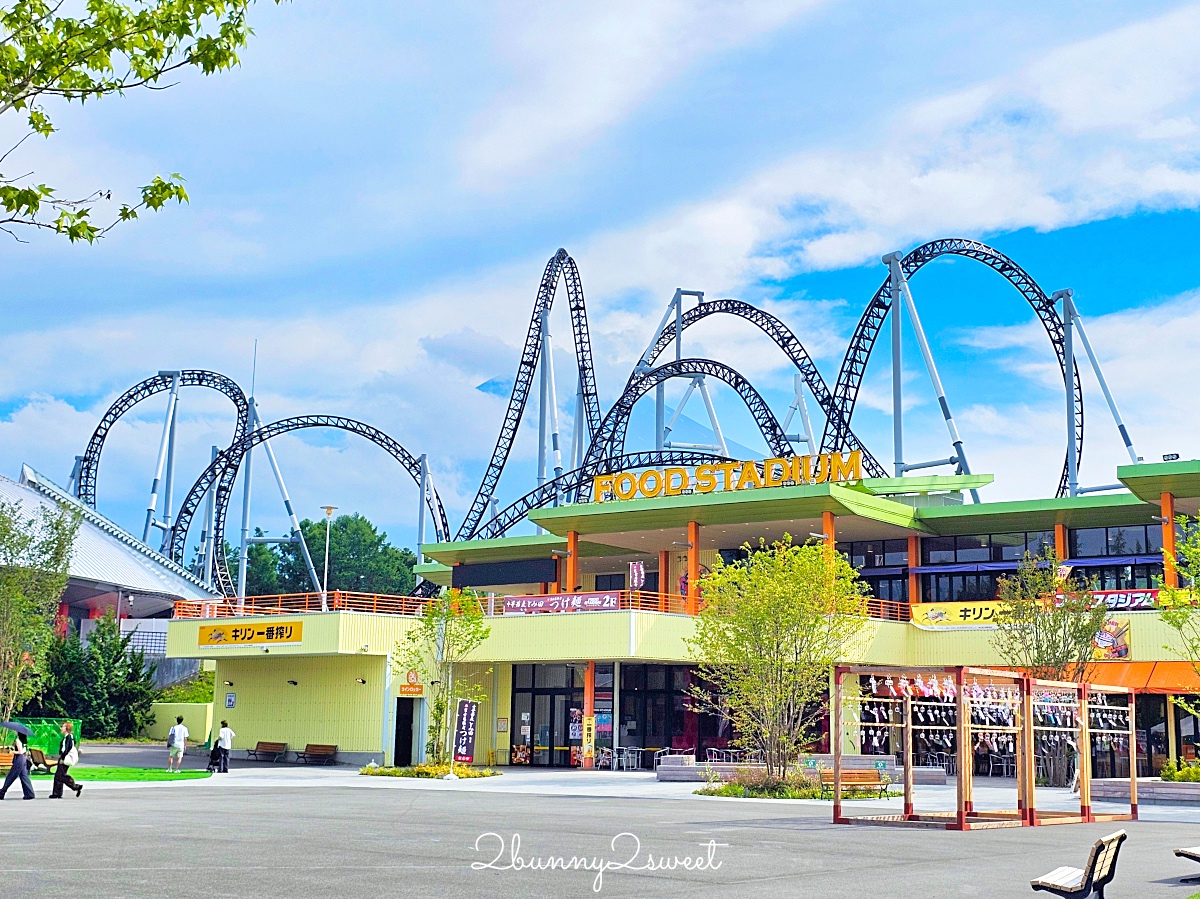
(608, 601)
(589, 736)
(412, 684)
(983, 613)
(278, 633)
(464, 731)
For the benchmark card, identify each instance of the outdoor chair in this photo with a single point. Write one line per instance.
(1076, 883)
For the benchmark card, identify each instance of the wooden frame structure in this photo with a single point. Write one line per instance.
(1028, 716)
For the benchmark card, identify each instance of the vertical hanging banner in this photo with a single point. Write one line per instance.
(637, 575)
(464, 731)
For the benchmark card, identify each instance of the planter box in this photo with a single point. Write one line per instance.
(1151, 791)
(685, 768)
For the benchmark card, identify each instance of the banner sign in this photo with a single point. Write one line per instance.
(281, 633)
(608, 601)
(464, 731)
(1128, 600)
(412, 684)
(1111, 643)
(982, 613)
(589, 736)
(776, 472)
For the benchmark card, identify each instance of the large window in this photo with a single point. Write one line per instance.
(958, 587)
(970, 548)
(1119, 577)
(610, 582)
(893, 589)
(1127, 540)
(876, 553)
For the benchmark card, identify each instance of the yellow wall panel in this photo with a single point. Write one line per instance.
(327, 705)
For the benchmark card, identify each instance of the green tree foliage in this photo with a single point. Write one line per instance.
(35, 552)
(449, 629)
(360, 559)
(106, 683)
(201, 688)
(1178, 606)
(1046, 621)
(109, 48)
(771, 628)
(262, 577)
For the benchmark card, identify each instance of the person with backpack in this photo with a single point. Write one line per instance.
(177, 744)
(19, 769)
(68, 756)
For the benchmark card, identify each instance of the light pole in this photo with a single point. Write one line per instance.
(329, 510)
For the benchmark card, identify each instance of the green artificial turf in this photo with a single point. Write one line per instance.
(105, 774)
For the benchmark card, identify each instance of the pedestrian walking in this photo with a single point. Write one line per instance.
(176, 744)
(225, 743)
(19, 769)
(68, 756)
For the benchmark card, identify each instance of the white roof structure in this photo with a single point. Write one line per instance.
(107, 561)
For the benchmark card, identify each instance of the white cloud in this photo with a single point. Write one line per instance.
(1082, 133)
(578, 69)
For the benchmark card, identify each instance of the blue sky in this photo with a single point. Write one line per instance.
(376, 191)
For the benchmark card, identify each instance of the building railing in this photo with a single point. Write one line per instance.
(383, 604)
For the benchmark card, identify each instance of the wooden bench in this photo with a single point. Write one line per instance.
(262, 749)
(321, 753)
(871, 780)
(1193, 853)
(6, 757)
(39, 762)
(1076, 883)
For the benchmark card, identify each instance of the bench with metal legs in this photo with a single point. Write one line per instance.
(1077, 883)
(1192, 852)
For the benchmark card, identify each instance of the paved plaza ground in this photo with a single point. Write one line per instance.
(267, 831)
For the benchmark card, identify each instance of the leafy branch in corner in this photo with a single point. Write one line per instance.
(110, 49)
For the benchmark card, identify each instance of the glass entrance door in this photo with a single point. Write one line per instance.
(542, 730)
(562, 717)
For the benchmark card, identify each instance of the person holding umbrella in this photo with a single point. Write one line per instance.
(68, 755)
(20, 762)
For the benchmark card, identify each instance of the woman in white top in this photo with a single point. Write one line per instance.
(225, 742)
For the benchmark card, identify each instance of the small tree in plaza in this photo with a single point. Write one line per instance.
(1178, 605)
(771, 628)
(1047, 621)
(34, 554)
(449, 629)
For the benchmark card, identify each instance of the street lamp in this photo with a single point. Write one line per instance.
(329, 510)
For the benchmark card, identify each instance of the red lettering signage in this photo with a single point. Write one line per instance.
(563, 602)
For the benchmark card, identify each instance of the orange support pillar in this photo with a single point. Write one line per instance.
(1170, 572)
(1060, 541)
(829, 528)
(693, 594)
(572, 562)
(914, 561)
(664, 578)
(589, 706)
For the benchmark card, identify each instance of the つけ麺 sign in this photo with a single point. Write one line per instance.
(775, 472)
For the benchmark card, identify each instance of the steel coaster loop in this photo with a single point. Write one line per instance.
(854, 364)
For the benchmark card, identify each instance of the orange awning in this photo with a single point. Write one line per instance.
(1148, 677)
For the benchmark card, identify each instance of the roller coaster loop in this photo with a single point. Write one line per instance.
(231, 457)
(787, 341)
(89, 464)
(854, 364)
(560, 265)
(612, 430)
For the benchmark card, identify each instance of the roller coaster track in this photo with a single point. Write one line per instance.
(787, 341)
(606, 432)
(616, 421)
(230, 459)
(560, 265)
(854, 364)
(89, 464)
(576, 480)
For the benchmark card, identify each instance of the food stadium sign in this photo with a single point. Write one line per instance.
(721, 476)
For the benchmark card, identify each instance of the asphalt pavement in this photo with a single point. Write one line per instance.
(323, 834)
